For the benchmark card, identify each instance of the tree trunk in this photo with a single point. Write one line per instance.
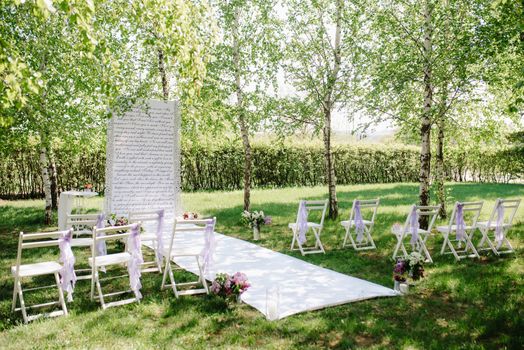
(330, 167)
(53, 178)
(425, 127)
(328, 105)
(440, 174)
(243, 123)
(163, 74)
(44, 167)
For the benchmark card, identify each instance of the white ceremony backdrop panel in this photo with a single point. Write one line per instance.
(143, 160)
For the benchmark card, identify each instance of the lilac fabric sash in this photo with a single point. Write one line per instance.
(134, 265)
(414, 225)
(67, 272)
(101, 248)
(499, 229)
(209, 247)
(461, 225)
(359, 223)
(302, 222)
(160, 235)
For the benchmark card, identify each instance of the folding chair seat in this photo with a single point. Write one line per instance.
(463, 227)
(153, 226)
(357, 229)
(202, 230)
(411, 229)
(21, 271)
(131, 258)
(499, 223)
(302, 226)
(82, 225)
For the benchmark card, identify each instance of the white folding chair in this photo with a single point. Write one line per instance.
(130, 257)
(82, 225)
(152, 222)
(411, 229)
(316, 227)
(182, 245)
(499, 223)
(463, 230)
(19, 271)
(360, 237)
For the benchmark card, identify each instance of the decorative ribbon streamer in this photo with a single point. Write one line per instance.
(101, 248)
(499, 229)
(302, 222)
(414, 225)
(134, 265)
(461, 225)
(67, 272)
(359, 223)
(160, 235)
(209, 247)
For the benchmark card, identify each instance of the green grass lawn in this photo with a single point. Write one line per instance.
(471, 304)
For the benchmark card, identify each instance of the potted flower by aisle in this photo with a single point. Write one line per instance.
(255, 220)
(411, 267)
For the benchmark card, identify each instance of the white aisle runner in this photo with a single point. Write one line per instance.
(303, 286)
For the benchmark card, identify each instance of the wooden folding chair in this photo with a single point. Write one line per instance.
(418, 243)
(152, 222)
(468, 227)
(316, 227)
(499, 223)
(181, 248)
(82, 226)
(360, 237)
(131, 257)
(19, 271)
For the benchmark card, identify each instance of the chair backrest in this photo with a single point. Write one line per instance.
(111, 233)
(431, 211)
(316, 205)
(369, 205)
(146, 218)
(81, 223)
(193, 225)
(510, 209)
(37, 240)
(471, 208)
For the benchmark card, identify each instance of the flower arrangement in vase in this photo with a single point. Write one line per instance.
(410, 267)
(230, 287)
(254, 220)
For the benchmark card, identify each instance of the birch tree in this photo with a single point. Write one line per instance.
(426, 62)
(242, 73)
(327, 40)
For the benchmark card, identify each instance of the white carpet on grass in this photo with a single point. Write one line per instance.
(303, 286)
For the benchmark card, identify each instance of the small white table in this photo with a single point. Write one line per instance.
(65, 206)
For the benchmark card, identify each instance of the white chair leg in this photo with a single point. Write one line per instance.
(397, 247)
(346, 230)
(293, 241)
(60, 294)
(15, 295)
(22, 302)
(425, 249)
(318, 243)
(201, 275)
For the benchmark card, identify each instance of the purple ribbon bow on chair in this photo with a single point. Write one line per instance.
(209, 247)
(461, 225)
(302, 222)
(499, 229)
(134, 265)
(101, 248)
(359, 223)
(67, 272)
(414, 225)
(160, 235)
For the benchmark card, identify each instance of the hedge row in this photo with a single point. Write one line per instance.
(221, 167)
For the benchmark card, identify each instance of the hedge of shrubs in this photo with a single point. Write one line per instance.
(274, 165)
